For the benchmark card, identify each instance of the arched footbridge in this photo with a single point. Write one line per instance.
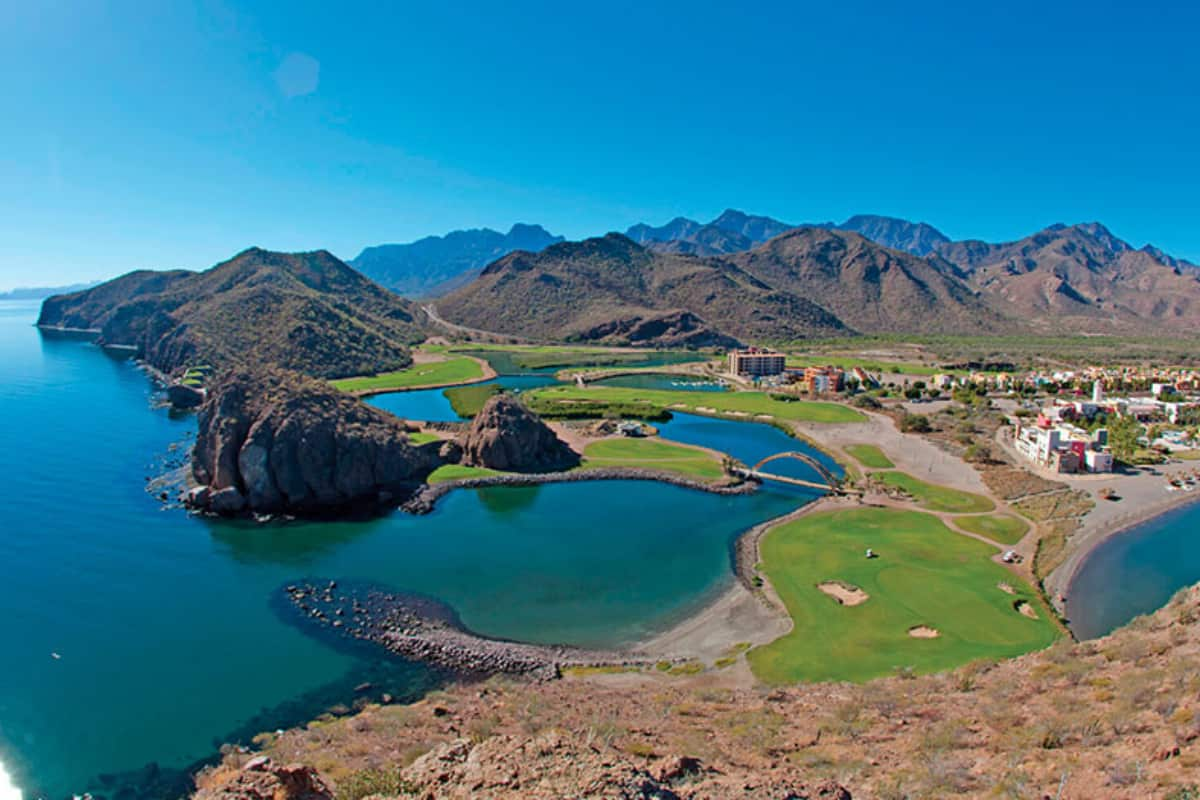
(832, 482)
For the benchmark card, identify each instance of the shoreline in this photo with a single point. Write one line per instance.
(425, 499)
(739, 614)
(1060, 582)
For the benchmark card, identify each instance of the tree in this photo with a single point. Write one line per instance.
(915, 423)
(1123, 434)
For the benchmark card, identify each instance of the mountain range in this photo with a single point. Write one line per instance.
(438, 264)
(303, 311)
(752, 278)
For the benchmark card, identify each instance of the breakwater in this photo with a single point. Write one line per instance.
(422, 629)
(425, 499)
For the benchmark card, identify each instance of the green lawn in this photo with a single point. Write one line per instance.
(869, 456)
(870, 365)
(925, 574)
(998, 527)
(453, 472)
(937, 498)
(467, 401)
(420, 437)
(653, 454)
(434, 373)
(743, 403)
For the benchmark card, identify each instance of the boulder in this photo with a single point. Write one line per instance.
(505, 435)
(273, 441)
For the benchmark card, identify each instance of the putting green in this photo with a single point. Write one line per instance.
(745, 404)
(937, 498)
(653, 454)
(869, 456)
(925, 574)
(998, 527)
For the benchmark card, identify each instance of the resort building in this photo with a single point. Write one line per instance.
(756, 362)
(822, 380)
(1062, 447)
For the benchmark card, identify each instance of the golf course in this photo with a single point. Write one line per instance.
(934, 599)
(738, 404)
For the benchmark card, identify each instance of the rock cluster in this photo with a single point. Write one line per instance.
(422, 629)
(507, 436)
(275, 441)
(261, 779)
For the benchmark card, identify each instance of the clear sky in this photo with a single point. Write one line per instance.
(175, 134)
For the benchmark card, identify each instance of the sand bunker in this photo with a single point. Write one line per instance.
(923, 632)
(1004, 587)
(1025, 609)
(845, 593)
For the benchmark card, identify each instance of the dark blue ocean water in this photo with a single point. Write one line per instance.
(164, 622)
(1135, 572)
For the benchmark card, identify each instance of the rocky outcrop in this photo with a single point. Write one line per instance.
(275, 441)
(507, 436)
(261, 779)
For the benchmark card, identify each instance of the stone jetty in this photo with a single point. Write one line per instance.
(422, 629)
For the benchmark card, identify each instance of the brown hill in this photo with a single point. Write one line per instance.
(806, 282)
(611, 289)
(304, 311)
(1085, 277)
(870, 288)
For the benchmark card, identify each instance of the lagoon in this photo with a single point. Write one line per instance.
(165, 622)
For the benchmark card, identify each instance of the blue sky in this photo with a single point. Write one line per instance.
(176, 134)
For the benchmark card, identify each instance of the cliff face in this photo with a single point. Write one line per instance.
(505, 435)
(275, 441)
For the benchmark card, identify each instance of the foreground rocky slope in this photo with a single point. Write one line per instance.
(275, 441)
(1118, 717)
(304, 311)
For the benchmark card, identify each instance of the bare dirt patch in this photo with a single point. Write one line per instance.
(1024, 609)
(846, 594)
(1006, 588)
(923, 632)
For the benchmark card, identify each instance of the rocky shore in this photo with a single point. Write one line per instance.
(422, 629)
(425, 499)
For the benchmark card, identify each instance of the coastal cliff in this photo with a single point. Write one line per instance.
(276, 441)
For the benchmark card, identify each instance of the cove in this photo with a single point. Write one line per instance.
(1135, 572)
(164, 622)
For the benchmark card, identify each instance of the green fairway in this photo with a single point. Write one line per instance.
(747, 404)
(435, 373)
(870, 365)
(653, 454)
(453, 472)
(869, 456)
(467, 401)
(936, 498)
(998, 527)
(420, 437)
(924, 575)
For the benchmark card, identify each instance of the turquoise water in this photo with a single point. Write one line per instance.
(168, 639)
(1135, 572)
(431, 405)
